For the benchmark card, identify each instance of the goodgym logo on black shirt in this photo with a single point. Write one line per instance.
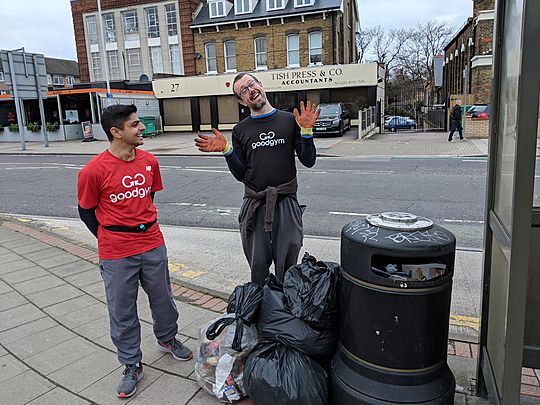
(267, 139)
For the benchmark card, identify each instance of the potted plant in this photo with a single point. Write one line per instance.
(13, 127)
(33, 127)
(52, 126)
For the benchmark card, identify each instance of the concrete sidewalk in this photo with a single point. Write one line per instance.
(54, 343)
(181, 144)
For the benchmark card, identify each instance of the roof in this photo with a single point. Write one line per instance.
(260, 12)
(62, 66)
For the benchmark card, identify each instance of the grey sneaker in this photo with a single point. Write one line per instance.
(177, 349)
(128, 384)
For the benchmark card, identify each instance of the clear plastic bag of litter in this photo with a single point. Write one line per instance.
(218, 367)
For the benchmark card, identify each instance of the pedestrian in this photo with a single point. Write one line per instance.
(262, 156)
(116, 193)
(455, 118)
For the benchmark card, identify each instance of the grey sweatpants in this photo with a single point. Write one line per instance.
(281, 246)
(121, 278)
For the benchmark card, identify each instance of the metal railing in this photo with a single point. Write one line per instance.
(367, 122)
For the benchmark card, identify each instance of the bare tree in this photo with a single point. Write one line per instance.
(363, 41)
(387, 46)
(425, 41)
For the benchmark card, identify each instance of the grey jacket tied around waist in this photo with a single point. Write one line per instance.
(268, 196)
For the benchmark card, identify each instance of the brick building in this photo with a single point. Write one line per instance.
(468, 57)
(300, 49)
(141, 37)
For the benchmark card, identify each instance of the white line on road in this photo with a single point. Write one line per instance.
(348, 213)
(474, 160)
(189, 204)
(463, 221)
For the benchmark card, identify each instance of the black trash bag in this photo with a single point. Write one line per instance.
(278, 375)
(277, 324)
(310, 290)
(244, 303)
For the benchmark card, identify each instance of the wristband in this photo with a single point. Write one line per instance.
(306, 131)
(227, 149)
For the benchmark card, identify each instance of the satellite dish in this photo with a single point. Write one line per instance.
(143, 78)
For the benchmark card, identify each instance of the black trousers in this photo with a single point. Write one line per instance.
(280, 246)
(456, 126)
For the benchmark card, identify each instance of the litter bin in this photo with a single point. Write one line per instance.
(150, 124)
(395, 295)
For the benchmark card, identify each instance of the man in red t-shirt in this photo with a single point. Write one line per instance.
(116, 202)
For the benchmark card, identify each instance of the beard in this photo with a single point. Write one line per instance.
(259, 104)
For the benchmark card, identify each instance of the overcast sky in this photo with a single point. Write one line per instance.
(45, 26)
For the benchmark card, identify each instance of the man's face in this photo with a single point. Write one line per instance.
(131, 134)
(251, 93)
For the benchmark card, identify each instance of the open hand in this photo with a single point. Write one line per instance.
(307, 116)
(208, 143)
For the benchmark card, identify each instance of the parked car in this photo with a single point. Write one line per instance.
(334, 119)
(398, 122)
(478, 111)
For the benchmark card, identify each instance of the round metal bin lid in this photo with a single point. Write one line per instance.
(401, 221)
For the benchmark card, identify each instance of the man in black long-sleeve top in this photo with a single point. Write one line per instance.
(262, 157)
(455, 117)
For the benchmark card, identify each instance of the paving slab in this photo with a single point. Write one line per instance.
(58, 396)
(84, 278)
(44, 254)
(24, 275)
(103, 391)
(167, 389)
(10, 367)
(72, 305)
(83, 315)
(33, 246)
(54, 295)
(4, 288)
(18, 316)
(95, 329)
(18, 240)
(96, 290)
(27, 329)
(8, 258)
(202, 398)
(39, 284)
(39, 342)
(10, 300)
(61, 355)
(168, 363)
(23, 388)
(57, 260)
(82, 373)
(70, 269)
(16, 265)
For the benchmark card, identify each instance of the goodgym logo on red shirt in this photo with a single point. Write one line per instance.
(134, 189)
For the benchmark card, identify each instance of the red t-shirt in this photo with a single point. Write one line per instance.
(120, 191)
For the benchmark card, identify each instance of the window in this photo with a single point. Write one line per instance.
(133, 61)
(315, 48)
(156, 60)
(217, 8)
(96, 66)
(49, 80)
(275, 4)
(2, 76)
(131, 25)
(293, 50)
(174, 55)
(302, 3)
(109, 28)
(58, 80)
(170, 12)
(242, 6)
(230, 56)
(152, 23)
(114, 68)
(91, 29)
(70, 80)
(210, 50)
(260, 53)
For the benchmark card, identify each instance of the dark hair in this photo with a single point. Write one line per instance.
(238, 77)
(116, 116)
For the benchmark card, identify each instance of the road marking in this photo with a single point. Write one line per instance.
(475, 160)
(189, 204)
(32, 168)
(467, 321)
(348, 213)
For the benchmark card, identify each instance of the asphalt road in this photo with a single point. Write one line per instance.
(200, 192)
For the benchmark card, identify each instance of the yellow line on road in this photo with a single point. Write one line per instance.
(468, 321)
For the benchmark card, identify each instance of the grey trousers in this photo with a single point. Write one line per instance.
(121, 278)
(281, 246)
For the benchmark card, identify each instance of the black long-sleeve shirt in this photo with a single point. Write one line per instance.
(264, 148)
